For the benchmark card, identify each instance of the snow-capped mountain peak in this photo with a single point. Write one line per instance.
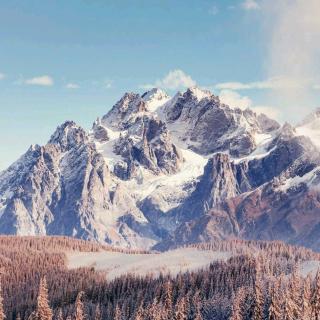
(166, 170)
(198, 93)
(155, 98)
(68, 135)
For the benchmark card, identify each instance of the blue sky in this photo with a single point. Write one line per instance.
(72, 60)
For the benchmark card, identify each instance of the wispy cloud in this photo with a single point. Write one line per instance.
(235, 100)
(250, 5)
(293, 28)
(44, 80)
(316, 87)
(2, 76)
(214, 10)
(72, 85)
(272, 83)
(175, 79)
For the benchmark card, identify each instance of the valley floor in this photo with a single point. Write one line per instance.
(170, 262)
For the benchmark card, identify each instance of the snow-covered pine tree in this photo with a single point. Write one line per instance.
(59, 314)
(155, 311)
(43, 311)
(274, 311)
(181, 312)
(2, 315)
(315, 302)
(306, 297)
(288, 306)
(236, 312)
(258, 303)
(80, 314)
(295, 295)
(168, 299)
(97, 313)
(117, 313)
(196, 301)
(140, 313)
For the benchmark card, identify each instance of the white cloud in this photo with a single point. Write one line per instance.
(316, 87)
(108, 84)
(214, 10)
(45, 80)
(235, 100)
(272, 83)
(174, 80)
(271, 112)
(72, 85)
(2, 76)
(250, 5)
(292, 28)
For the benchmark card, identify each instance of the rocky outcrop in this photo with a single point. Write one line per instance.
(208, 126)
(65, 188)
(148, 144)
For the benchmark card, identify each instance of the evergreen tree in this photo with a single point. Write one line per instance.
(274, 311)
(197, 306)
(155, 311)
(2, 315)
(80, 306)
(182, 309)
(43, 311)
(140, 313)
(306, 299)
(117, 313)
(258, 302)
(59, 314)
(97, 313)
(288, 306)
(236, 312)
(295, 295)
(315, 302)
(198, 315)
(168, 300)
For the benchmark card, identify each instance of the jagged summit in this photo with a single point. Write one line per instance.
(198, 93)
(161, 170)
(68, 135)
(155, 98)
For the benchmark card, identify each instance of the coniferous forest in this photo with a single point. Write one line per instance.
(261, 280)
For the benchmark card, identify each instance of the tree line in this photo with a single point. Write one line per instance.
(259, 281)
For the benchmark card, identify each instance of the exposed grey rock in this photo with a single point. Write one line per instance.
(100, 133)
(147, 143)
(209, 126)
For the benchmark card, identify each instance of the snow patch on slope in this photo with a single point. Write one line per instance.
(262, 140)
(308, 179)
(155, 98)
(147, 184)
(310, 267)
(173, 262)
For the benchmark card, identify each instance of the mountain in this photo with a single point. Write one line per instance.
(159, 171)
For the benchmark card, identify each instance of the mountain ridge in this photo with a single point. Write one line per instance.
(164, 171)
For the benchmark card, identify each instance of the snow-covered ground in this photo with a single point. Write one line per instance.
(173, 262)
(310, 267)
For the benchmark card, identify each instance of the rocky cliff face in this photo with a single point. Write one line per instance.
(161, 171)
